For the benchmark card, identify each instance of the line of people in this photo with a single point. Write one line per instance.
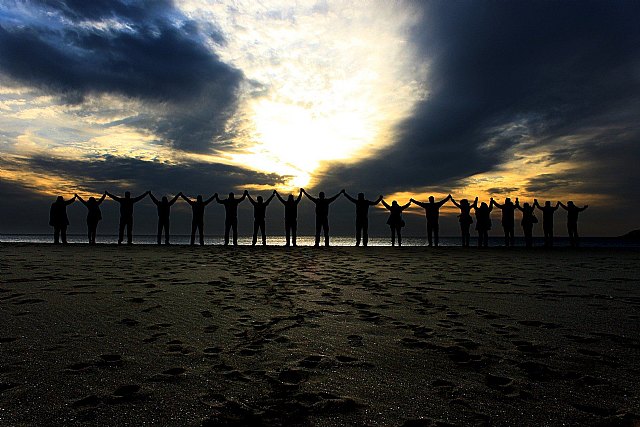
(59, 220)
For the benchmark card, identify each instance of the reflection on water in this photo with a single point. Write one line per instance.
(309, 240)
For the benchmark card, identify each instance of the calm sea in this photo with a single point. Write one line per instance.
(309, 240)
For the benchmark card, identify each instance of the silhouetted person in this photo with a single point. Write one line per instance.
(395, 220)
(94, 215)
(126, 214)
(290, 216)
(197, 217)
(322, 215)
(508, 219)
(362, 216)
(547, 220)
(259, 213)
(432, 211)
(572, 221)
(528, 220)
(483, 223)
(164, 210)
(231, 218)
(58, 218)
(465, 218)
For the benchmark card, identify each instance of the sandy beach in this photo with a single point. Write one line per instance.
(152, 335)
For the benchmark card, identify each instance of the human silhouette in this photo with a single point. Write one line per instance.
(547, 220)
(231, 218)
(164, 210)
(58, 218)
(362, 216)
(197, 215)
(465, 218)
(432, 211)
(290, 216)
(572, 221)
(395, 220)
(94, 215)
(483, 223)
(126, 214)
(259, 213)
(322, 214)
(508, 219)
(528, 220)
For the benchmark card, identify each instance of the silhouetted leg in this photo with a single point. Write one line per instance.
(56, 234)
(227, 228)
(194, 226)
(551, 237)
(399, 236)
(160, 227)
(264, 233)
(429, 233)
(325, 225)
(294, 232)
(365, 232)
(166, 232)
(393, 235)
(318, 228)
(121, 230)
(234, 227)
(130, 231)
(358, 231)
(201, 232)
(255, 233)
(63, 234)
(287, 233)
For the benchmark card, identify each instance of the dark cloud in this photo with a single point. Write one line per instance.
(155, 55)
(507, 74)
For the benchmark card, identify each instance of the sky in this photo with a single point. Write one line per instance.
(535, 99)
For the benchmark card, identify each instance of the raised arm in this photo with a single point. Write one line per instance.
(299, 196)
(562, 205)
(376, 201)
(443, 201)
(333, 199)
(71, 200)
(81, 200)
(475, 203)
(313, 199)
(403, 207)
(351, 199)
(101, 199)
(386, 205)
(111, 196)
(583, 208)
(140, 197)
(154, 200)
(421, 204)
(244, 196)
(174, 199)
(210, 199)
(555, 208)
(253, 202)
(536, 204)
(186, 199)
(266, 202)
(279, 198)
(455, 203)
(496, 204)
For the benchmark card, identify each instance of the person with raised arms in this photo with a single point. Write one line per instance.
(465, 218)
(322, 214)
(197, 218)
(126, 214)
(94, 215)
(395, 220)
(572, 221)
(508, 219)
(231, 216)
(164, 210)
(290, 216)
(527, 222)
(259, 213)
(432, 212)
(58, 218)
(547, 220)
(362, 216)
(483, 223)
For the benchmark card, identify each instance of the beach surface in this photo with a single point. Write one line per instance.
(148, 335)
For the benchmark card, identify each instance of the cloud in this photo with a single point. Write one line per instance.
(143, 50)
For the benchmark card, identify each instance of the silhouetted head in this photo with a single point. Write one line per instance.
(507, 201)
(290, 198)
(231, 195)
(569, 203)
(164, 199)
(321, 195)
(199, 198)
(483, 205)
(259, 199)
(526, 205)
(431, 199)
(394, 203)
(127, 195)
(547, 204)
(59, 199)
(92, 199)
(360, 196)
(464, 202)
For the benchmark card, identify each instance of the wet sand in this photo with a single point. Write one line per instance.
(112, 335)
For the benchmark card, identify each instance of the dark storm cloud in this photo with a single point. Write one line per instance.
(510, 73)
(153, 54)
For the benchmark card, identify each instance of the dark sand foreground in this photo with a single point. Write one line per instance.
(215, 336)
